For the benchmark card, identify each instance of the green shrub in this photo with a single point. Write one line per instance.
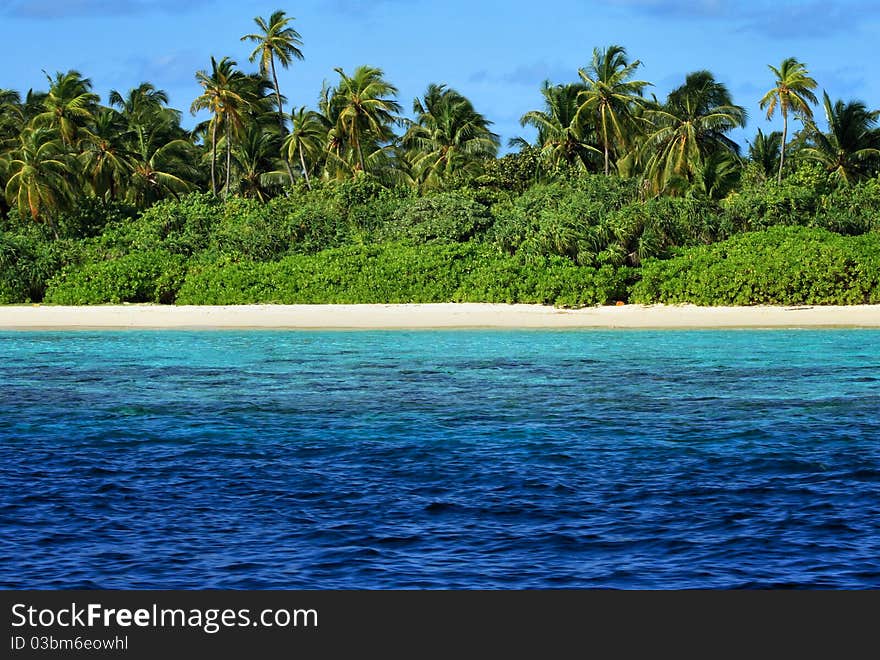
(448, 216)
(401, 273)
(597, 224)
(779, 266)
(28, 262)
(137, 277)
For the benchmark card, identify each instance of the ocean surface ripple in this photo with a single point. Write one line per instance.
(455, 459)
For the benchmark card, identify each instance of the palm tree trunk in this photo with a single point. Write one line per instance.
(281, 119)
(302, 162)
(228, 160)
(782, 150)
(360, 154)
(214, 158)
(607, 168)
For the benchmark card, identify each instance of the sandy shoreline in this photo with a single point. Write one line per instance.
(448, 315)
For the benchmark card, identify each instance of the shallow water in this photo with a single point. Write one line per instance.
(464, 459)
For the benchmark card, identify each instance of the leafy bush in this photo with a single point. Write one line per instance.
(136, 277)
(27, 263)
(449, 216)
(16, 269)
(779, 266)
(400, 273)
(595, 224)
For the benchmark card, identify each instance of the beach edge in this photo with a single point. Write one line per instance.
(430, 316)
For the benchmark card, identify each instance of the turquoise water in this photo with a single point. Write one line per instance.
(463, 459)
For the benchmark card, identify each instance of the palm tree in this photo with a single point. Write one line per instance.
(689, 128)
(256, 157)
(765, 151)
(11, 115)
(164, 170)
(366, 109)
(106, 163)
(563, 137)
(793, 91)
(69, 106)
(306, 138)
(609, 97)
(851, 149)
(39, 175)
(448, 136)
(225, 97)
(148, 117)
(276, 39)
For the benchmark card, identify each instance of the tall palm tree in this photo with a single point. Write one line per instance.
(39, 174)
(366, 109)
(563, 136)
(851, 149)
(610, 96)
(448, 136)
(69, 106)
(276, 40)
(307, 138)
(793, 92)
(224, 95)
(690, 127)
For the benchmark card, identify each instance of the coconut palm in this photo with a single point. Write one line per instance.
(563, 137)
(39, 174)
(609, 97)
(256, 158)
(365, 106)
(850, 150)
(306, 140)
(11, 115)
(148, 117)
(793, 92)
(447, 136)
(69, 106)
(690, 127)
(225, 96)
(164, 170)
(276, 40)
(105, 162)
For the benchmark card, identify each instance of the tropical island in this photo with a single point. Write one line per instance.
(622, 197)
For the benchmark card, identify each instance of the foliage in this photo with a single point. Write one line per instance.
(401, 273)
(139, 277)
(593, 221)
(779, 266)
(448, 137)
(444, 216)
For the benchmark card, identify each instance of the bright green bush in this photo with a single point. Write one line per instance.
(137, 277)
(401, 273)
(779, 266)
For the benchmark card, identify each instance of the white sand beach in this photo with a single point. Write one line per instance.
(449, 315)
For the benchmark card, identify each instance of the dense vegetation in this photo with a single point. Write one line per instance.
(620, 197)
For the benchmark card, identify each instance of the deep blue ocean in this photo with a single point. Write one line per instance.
(428, 459)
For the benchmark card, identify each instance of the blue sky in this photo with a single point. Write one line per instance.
(496, 53)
